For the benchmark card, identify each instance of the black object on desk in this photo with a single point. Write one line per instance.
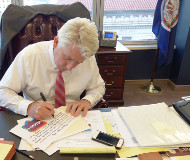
(183, 109)
(29, 156)
(8, 120)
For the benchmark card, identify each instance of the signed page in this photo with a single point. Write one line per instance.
(42, 133)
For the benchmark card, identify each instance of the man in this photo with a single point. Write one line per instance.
(35, 69)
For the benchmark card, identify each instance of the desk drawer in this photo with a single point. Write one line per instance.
(112, 59)
(109, 71)
(113, 94)
(113, 82)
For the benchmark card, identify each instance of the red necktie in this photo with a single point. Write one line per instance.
(59, 91)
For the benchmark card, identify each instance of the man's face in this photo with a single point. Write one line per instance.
(66, 58)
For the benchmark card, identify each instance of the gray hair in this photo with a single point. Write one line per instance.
(79, 32)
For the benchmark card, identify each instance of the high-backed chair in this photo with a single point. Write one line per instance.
(42, 26)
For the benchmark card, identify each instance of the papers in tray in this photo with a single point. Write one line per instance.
(155, 125)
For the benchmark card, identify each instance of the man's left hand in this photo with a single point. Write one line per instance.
(76, 107)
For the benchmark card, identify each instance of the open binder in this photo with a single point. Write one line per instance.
(183, 109)
(155, 125)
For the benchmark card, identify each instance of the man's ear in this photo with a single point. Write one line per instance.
(55, 42)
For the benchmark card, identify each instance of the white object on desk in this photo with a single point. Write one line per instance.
(186, 98)
(155, 125)
(129, 139)
(84, 139)
(108, 117)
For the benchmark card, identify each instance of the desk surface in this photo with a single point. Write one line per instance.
(9, 119)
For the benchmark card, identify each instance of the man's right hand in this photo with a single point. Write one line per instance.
(40, 110)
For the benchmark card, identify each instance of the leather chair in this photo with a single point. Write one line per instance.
(40, 28)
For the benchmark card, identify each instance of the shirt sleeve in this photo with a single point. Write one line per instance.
(96, 87)
(12, 83)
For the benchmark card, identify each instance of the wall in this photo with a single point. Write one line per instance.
(140, 65)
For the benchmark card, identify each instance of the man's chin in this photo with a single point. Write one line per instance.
(62, 69)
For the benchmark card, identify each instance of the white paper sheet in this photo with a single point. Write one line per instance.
(84, 139)
(186, 98)
(108, 117)
(24, 145)
(94, 119)
(129, 139)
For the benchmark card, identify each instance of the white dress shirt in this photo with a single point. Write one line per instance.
(34, 71)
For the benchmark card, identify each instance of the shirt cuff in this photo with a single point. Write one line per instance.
(23, 106)
(91, 100)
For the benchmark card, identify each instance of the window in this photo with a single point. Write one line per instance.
(131, 19)
(3, 6)
(35, 2)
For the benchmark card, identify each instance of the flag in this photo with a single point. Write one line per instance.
(164, 28)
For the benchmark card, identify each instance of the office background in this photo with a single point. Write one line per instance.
(140, 63)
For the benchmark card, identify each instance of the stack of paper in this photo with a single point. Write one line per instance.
(156, 125)
(63, 132)
(43, 134)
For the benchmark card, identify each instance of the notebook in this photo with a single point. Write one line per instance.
(7, 149)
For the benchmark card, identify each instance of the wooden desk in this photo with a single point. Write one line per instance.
(9, 119)
(112, 63)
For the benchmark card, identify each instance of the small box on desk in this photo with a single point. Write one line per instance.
(7, 150)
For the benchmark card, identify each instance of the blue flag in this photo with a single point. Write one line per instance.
(164, 27)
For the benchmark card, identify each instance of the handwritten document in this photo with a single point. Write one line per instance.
(42, 133)
(84, 139)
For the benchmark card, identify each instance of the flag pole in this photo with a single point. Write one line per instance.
(150, 88)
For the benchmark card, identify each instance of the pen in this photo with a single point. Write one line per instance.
(29, 156)
(42, 96)
(44, 99)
